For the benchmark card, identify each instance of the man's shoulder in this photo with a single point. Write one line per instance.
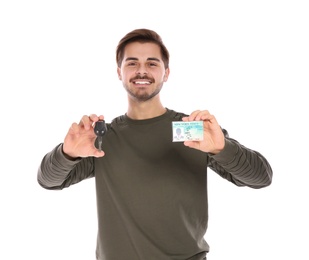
(176, 115)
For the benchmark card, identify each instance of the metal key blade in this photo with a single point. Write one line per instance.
(100, 139)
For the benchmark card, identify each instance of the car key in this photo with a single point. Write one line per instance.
(100, 130)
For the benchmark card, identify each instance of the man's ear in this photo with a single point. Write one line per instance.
(167, 73)
(119, 73)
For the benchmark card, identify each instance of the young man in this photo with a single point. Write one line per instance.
(151, 191)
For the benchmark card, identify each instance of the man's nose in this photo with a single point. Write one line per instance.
(141, 70)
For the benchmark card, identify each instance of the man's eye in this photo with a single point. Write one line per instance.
(152, 64)
(131, 64)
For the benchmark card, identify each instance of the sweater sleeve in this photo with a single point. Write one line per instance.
(57, 171)
(241, 165)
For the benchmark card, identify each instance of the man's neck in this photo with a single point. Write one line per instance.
(145, 110)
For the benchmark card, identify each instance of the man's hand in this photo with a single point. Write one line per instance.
(79, 141)
(214, 140)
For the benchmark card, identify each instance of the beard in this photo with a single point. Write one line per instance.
(142, 94)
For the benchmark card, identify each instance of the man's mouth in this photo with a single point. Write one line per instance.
(142, 82)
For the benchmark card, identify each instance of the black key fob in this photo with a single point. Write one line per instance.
(100, 128)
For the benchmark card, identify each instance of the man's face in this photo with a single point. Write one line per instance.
(142, 70)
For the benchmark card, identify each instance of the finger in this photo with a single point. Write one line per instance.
(74, 129)
(202, 115)
(86, 122)
(193, 115)
(208, 117)
(94, 118)
(98, 153)
(185, 119)
(192, 144)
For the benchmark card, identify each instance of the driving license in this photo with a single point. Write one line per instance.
(187, 131)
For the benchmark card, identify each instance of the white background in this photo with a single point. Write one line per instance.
(247, 62)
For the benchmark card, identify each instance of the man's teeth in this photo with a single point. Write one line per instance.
(142, 82)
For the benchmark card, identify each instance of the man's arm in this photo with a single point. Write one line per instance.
(228, 158)
(240, 165)
(57, 171)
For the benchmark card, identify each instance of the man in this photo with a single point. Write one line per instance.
(151, 192)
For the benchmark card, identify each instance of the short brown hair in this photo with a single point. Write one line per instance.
(142, 35)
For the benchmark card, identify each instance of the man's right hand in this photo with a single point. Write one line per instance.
(79, 141)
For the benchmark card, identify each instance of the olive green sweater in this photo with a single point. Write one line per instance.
(152, 192)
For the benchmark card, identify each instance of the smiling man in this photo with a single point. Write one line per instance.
(151, 192)
(143, 73)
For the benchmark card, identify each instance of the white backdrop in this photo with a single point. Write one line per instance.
(244, 61)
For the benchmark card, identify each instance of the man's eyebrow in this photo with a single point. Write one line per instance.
(131, 58)
(149, 59)
(154, 59)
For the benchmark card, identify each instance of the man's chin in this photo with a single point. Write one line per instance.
(142, 98)
(141, 95)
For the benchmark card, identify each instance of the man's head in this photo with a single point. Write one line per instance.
(143, 64)
(142, 36)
